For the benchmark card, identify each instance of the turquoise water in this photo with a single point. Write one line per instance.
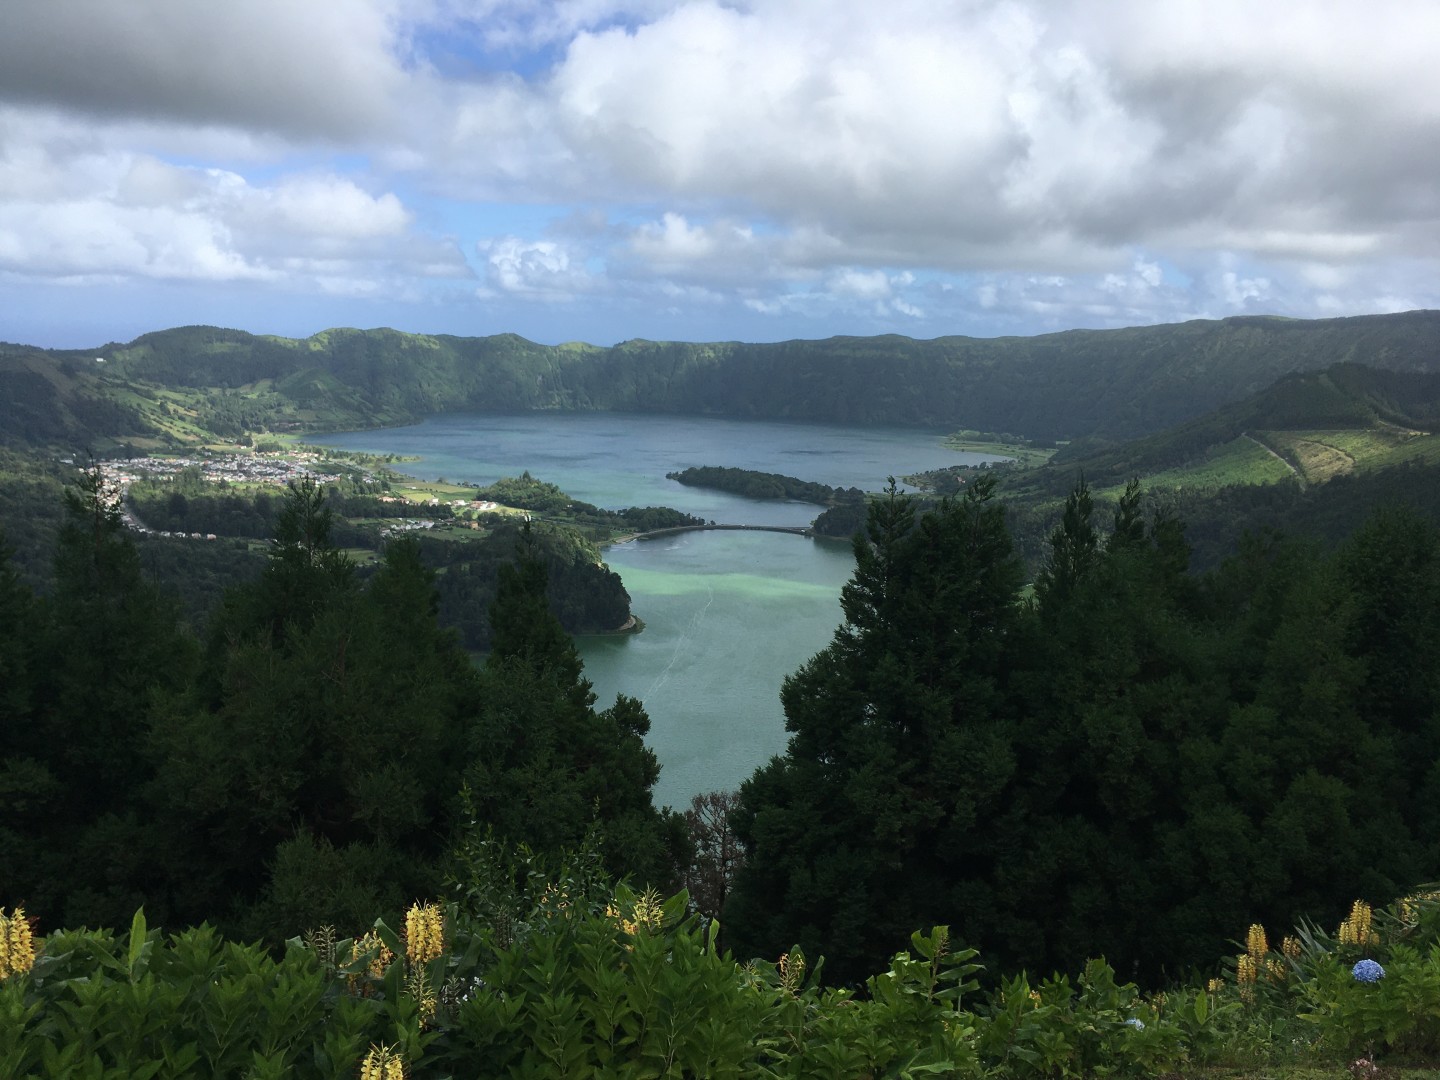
(727, 614)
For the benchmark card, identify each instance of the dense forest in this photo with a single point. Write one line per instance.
(762, 485)
(584, 594)
(313, 755)
(1132, 763)
(1063, 717)
(1125, 765)
(1128, 763)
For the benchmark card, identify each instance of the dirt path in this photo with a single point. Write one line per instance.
(1293, 470)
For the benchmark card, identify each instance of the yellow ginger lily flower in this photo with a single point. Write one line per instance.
(17, 946)
(1356, 929)
(1256, 944)
(382, 1063)
(424, 933)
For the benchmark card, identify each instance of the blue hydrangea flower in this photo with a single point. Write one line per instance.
(1136, 1023)
(1368, 971)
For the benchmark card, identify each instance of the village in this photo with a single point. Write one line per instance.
(261, 469)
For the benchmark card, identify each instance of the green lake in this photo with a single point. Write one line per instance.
(727, 614)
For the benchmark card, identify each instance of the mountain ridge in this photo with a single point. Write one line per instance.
(1106, 385)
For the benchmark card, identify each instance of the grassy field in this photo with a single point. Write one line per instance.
(1240, 461)
(1319, 455)
(1025, 454)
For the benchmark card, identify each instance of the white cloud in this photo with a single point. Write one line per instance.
(872, 285)
(795, 157)
(118, 215)
(534, 269)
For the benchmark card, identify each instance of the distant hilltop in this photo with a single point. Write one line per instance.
(1098, 384)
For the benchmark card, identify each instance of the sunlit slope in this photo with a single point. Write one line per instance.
(1311, 426)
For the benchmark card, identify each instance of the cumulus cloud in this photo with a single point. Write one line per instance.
(116, 215)
(983, 134)
(1093, 159)
(533, 269)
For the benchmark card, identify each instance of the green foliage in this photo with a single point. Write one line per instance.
(1126, 766)
(581, 592)
(313, 771)
(544, 762)
(307, 765)
(1092, 1027)
(143, 1006)
(184, 385)
(1400, 1013)
(894, 756)
(1310, 425)
(86, 665)
(545, 970)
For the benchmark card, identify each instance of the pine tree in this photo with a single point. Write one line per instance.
(875, 819)
(546, 765)
(319, 769)
(109, 646)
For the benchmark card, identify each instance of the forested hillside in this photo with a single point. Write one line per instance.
(1135, 763)
(1114, 384)
(1120, 767)
(313, 756)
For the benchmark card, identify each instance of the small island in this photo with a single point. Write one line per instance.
(761, 485)
(844, 511)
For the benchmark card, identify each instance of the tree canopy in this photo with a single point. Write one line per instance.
(308, 761)
(1130, 763)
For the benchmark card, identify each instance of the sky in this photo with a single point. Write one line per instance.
(600, 170)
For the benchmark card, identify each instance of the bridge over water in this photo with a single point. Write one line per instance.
(796, 530)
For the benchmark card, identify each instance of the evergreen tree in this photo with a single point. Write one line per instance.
(106, 645)
(1111, 683)
(318, 771)
(874, 821)
(27, 786)
(545, 763)
(1074, 545)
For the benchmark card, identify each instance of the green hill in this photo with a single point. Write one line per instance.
(1108, 386)
(1311, 426)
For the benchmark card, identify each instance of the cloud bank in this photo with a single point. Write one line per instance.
(600, 170)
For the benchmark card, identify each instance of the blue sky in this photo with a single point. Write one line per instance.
(600, 170)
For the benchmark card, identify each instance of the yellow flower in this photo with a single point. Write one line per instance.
(381, 959)
(382, 1063)
(424, 933)
(1356, 929)
(1291, 947)
(1246, 969)
(791, 967)
(1275, 970)
(1214, 986)
(1411, 906)
(1256, 944)
(649, 911)
(17, 946)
